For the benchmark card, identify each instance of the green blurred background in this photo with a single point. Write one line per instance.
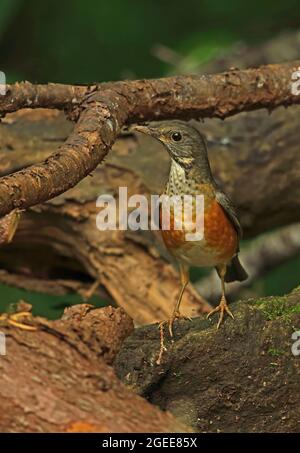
(87, 40)
(84, 41)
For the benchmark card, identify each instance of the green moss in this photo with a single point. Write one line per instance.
(275, 352)
(275, 308)
(280, 307)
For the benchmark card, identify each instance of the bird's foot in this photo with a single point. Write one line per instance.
(222, 308)
(176, 315)
(16, 320)
(170, 322)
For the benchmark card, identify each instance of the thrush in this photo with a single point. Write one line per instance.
(190, 174)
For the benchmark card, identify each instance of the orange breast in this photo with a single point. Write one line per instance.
(219, 234)
(173, 238)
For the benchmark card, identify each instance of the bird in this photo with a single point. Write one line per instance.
(190, 174)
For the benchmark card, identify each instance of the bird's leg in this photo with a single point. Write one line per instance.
(184, 278)
(222, 307)
(162, 348)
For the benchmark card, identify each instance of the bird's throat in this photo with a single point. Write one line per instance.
(183, 182)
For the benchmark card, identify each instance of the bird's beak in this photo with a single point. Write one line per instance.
(154, 132)
(144, 130)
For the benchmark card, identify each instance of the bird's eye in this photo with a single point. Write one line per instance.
(176, 136)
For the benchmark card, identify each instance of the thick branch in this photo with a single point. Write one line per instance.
(54, 95)
(104, 113)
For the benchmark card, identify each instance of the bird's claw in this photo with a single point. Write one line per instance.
(222, 308)
(176, 315)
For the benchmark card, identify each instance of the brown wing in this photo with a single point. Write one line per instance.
(230, 211)
(235, 270)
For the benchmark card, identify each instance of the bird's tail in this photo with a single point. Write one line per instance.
(235, 271)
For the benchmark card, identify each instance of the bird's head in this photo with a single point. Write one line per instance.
(184, 143)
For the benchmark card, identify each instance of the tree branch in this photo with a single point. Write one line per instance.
(105, 111)
(53, 95)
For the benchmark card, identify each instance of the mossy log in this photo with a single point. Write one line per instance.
(241, 378)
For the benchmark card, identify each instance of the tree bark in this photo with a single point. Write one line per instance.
(59, 379)
(240, 378)
(104, 111)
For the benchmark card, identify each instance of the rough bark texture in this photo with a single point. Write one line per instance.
(241, 378)
(104, 111)
(58, 378)
(54, 95)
